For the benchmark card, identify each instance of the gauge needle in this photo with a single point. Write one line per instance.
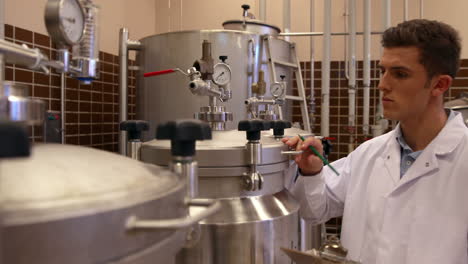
(69, 19)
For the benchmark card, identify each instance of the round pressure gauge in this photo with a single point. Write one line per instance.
(221, 74)
(277, 90)
(65, 21)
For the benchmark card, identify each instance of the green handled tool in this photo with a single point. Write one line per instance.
(325, 161)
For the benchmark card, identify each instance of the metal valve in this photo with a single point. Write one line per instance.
(278, 127)
(134, 129)
(253, 180)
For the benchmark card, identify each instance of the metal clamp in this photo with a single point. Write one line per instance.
(253, 181)
(212, 205)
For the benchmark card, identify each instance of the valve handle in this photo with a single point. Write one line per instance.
(183, 133)
(253, 128)
(223, 58)
(134, 128)
(149, 74)
(245, 7)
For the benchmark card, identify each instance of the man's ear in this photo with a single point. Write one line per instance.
(440, 84)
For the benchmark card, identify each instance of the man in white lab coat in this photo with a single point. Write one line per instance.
(403, 195)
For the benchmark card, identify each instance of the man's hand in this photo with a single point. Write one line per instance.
(309, 163)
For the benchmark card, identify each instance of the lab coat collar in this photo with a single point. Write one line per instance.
(443, 144)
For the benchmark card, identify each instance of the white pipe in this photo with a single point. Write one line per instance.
(382, 123)
(421, 9)
(405, 10)
(325, 108)
(352, 71)
(262, 8)
(312, 61)
(287, 17)
(62, 107)
(366, 71)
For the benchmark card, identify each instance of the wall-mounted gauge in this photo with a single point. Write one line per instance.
(277, 90)
(221, 74)
(65, 21)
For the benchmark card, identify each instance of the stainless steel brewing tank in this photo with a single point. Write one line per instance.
(460, 105)
(70, 204)
(167, 97)
(252, 225)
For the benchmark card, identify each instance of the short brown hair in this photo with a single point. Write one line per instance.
(438, 43)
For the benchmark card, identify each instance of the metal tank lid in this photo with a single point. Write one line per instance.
(64, 181)
(227, 148)
(251, 22)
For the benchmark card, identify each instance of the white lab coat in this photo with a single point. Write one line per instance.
(419, 219)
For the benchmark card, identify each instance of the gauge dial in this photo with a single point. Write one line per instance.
(65, 21)
(221, 74)
(277, 90)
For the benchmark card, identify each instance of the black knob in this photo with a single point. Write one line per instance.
(253, 128)
(14, 141)
(183, 134)
(279, 126)
(245, 7)
(282, 77)
(327, 146)
(134, 128)
(223, 58)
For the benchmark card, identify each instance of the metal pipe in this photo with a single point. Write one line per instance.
(287, 17)
(325, 108)
(366, 70)
(405, 10)
(318, 33)
(421, 9)
(312, 61)
(62, 107)
(381, 122)
(262, 8)
(352, 73)
(123, 78)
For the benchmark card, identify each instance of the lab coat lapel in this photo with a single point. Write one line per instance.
(391, 156)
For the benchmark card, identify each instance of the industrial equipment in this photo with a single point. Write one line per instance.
(247, 176)
(460, 104)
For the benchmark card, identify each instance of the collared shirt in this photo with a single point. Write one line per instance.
(408, 156)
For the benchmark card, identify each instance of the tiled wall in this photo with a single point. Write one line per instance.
(91, 110)
(339, 128)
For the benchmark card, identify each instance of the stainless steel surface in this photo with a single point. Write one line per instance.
(23, 55)
(187, 169)
(247, 230)
(311, 34)
(255, 26)
(252, 225)
(133, 149)
(212, 206)
(311, 235)
(58, 208)
(123, 82)
(254, 150)
(16, 107)
(156, 95)
(62, 107)
(125, 45)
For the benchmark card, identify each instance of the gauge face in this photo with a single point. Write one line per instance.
(277, 90)
(65, 21)
(221, 74)
(72, 20)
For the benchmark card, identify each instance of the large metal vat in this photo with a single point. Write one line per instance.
(252, 225)
(167, 97)
(70, 204)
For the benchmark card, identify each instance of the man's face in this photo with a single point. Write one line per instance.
(404, 83)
